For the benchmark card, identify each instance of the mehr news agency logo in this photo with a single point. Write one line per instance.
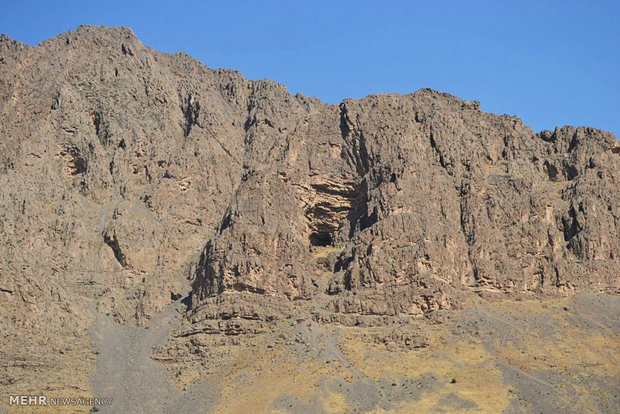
(44, 401)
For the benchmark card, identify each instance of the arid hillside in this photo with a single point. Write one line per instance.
(162, 221)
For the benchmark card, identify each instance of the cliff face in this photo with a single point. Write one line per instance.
(124, 171)
(399, 205)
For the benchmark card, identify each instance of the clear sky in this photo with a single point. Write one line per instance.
(550, 62)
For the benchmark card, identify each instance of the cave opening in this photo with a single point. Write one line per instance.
(552, 171)
(320, 239)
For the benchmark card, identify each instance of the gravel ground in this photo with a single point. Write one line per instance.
(136, 383)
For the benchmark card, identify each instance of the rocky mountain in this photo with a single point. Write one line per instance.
(133, 182)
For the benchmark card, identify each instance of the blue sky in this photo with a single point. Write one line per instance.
(550, 62)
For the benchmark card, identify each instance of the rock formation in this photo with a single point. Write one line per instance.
(125, 172)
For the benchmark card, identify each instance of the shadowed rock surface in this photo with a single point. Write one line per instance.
(136, 182)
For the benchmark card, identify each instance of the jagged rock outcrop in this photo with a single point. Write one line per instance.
(425, 197)
(124, 170)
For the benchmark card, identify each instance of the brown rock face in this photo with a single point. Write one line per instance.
(124, 170)
(422, 197)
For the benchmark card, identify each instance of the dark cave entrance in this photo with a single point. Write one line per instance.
(320, 239)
